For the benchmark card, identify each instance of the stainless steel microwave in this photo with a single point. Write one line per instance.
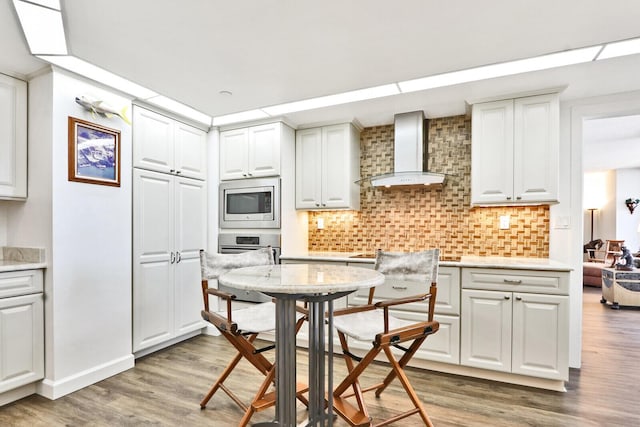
(250, 203)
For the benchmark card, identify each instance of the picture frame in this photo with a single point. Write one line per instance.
(94, 153)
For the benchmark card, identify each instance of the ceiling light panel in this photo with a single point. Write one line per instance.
(243, 116)
(503, 69)
(98, 74)
(51, 4)
(42, 28)
(331, 100)
(179, 108)
(627, 47)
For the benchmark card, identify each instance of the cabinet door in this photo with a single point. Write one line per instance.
(264, 150)
(536, 148)
(190, 226)
(492, 152)
(485, 340)
(540, 335)
(13, 138)
(153, 146)
(190, 151)
(234, 148)
(154, 257)
(21, 341)
(308, 168)
(336, 167)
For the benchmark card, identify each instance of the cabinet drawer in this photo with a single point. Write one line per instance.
(20, 283)
(547, 282)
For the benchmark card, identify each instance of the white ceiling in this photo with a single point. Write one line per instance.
(273, 51)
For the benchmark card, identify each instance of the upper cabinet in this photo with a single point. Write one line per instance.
(166, 145)
(251, 152)
(327, 167)
(515, 151)
(13, 138)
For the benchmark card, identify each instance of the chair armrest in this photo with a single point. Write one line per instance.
(221, 294)
(350, 310)
(219, 321)
(406, 300)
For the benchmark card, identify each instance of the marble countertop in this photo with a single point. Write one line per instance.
(306, 279)
(463, 261)
(16, 259)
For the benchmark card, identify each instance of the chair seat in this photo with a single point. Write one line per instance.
(256, 318)
(365, 325)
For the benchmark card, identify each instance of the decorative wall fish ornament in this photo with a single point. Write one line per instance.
(100, 108)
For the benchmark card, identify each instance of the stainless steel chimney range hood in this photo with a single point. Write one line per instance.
(410, 155)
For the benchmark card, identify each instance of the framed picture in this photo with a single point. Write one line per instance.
(94, 153)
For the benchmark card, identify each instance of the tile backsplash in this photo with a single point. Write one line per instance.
(414, 218)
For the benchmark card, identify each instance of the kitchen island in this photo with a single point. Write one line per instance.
(501, 318)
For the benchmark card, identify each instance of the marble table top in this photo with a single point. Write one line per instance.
(305, 279)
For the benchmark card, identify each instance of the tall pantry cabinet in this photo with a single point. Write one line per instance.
(169, 228)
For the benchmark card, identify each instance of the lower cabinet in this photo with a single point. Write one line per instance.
(169, 229)
(520, 333)
(21, 330)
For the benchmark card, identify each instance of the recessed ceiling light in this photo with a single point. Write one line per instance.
(177, 107)
(330, 100)
(98, 74)
(626, 47)
(42, 27)
(243, 116)
(537, 63)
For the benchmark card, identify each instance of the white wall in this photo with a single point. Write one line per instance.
(627, 186)
(86, 230)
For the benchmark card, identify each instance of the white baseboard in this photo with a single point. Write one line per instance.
(54, 389)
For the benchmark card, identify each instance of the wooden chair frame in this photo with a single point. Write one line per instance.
(243, 342)
(414, 335)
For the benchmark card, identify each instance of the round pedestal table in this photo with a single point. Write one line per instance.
(315, 284)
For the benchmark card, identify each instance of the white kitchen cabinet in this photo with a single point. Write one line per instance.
(507, 330)
(515, 151)
(13, 138)
(166, 145)
(327, 168)
(169, 226)
(251, 152)
(21, 329)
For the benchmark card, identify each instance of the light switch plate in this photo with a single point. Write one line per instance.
(320, 223)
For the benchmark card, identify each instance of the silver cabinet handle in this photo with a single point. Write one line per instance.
(317, 204)
(507, 297)
(513, 282)
(178, 257)
(173, 257)
(400, 288)
(178, 172)
(518, 298)
(508, 197)
(172, 170)
(519, 198)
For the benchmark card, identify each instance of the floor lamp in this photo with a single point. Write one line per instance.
(591, 210)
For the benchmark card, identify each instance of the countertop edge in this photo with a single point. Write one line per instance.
(488, 262)
(9, 266)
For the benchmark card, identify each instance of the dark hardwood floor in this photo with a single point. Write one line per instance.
(165, 388)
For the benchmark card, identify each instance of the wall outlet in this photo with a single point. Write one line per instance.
(320, 223)
(504, 222)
